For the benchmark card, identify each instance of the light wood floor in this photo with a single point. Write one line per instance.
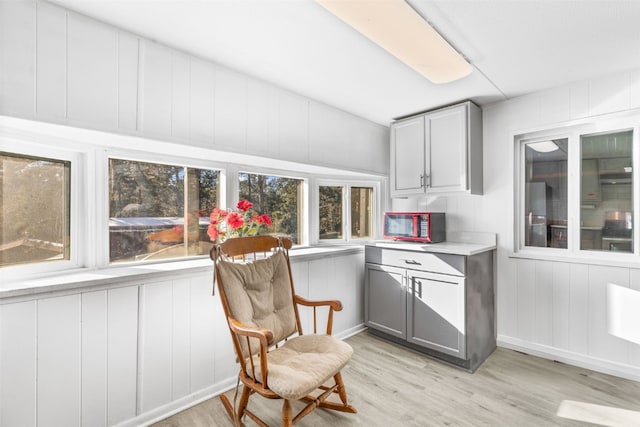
(393, 386)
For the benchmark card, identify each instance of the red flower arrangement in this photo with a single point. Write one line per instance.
(241, 222)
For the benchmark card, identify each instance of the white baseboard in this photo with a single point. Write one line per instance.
(577, 359)
(179, 405)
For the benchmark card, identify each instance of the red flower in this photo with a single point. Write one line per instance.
(244, 205)
(235, 220)
(264, 219)
(212, 231)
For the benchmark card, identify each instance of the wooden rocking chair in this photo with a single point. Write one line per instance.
(276, 360)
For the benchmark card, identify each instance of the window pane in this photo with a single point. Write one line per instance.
(159, 211)
(607, 192)
(278, 197)
(330, 212)
(361, 198)
(34, 215)
(545, 207)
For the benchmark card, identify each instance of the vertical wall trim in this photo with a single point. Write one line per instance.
(139, 355)
(66, 65)
(35, 362)
(106, 358)
(140, 91)
(35, 60)
(79, 302)
(118, 80)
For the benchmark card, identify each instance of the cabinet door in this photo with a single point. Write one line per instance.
(436, 312)
(407, 156)
(385, 301)
(446, 136)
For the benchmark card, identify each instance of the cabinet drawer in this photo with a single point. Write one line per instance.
(438, 263)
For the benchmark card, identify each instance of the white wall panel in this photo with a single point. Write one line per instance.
(328, 134)
(634, 348)
(579, 309)
(561, 304)
(180, 92)
(92, 75)
(51, 61)
(601, 343)
(609, 94)
(201, 101)
(543, 304)
(17, 56)
(634, 90)
(230, 110)
(59, 351)
(293, 123)
(300, 274)
(262, 118)
(203, 332)
(127, 81)
(94, 358)
(507, 297)
(579, 100)
(18, 361)
(122, 353)
(526, 299)
(180, 352)
(555, 105)
(156, 349)
(155, 88)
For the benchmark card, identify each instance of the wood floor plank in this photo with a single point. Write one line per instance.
(393, 386)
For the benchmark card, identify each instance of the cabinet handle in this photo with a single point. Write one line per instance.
(421, 181)
(411, 261)
(428, 183)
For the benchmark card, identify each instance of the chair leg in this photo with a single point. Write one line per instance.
(286, 414)
(244, 400)
(341, 390)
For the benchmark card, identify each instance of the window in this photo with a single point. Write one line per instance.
(577, 192)
(545, 193)
(606, 210)
(279, 197)
(330, 210)
(159, 211)
(337, 223)
(35, 211)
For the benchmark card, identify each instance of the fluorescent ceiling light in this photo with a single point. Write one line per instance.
(543, 146)
(397, 28)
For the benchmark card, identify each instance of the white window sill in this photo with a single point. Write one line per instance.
(607, 259)
(119, 274)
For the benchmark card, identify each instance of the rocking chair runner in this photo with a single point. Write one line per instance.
(261, 307)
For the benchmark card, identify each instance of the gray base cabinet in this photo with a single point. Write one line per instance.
(439, 304)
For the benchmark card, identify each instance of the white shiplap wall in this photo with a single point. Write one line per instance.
(65, 68)
(550, 308)
(129, 353)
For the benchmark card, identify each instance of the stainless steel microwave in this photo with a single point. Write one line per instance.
(427, 227)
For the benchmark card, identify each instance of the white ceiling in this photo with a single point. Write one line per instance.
(515, 46)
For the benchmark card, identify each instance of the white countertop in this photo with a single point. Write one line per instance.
(454, 248)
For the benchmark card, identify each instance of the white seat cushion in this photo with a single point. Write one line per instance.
(304, 363)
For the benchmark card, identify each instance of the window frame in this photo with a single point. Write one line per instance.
(104, 259)
(234, 192)
(347, 185)
(33, 147)
(573, 132)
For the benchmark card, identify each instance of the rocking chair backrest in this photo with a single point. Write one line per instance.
(257, 292)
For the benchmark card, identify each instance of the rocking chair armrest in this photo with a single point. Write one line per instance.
(334, 304)
(264, 335)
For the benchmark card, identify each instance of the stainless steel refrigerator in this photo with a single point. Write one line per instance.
(537, 208)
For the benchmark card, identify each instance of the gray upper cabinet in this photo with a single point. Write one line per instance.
(438, 151)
